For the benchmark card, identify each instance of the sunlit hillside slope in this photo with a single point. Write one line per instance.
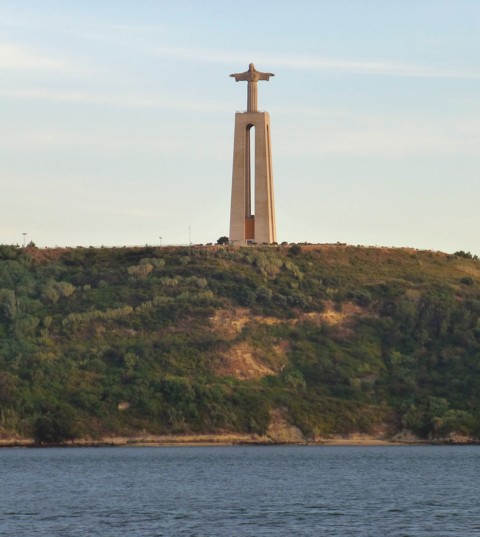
(322, 339)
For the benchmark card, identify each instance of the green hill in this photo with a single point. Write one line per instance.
(326, 339)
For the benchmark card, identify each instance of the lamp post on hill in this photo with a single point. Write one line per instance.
(24, 236)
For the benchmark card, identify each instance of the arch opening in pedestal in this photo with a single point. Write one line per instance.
(250, 182)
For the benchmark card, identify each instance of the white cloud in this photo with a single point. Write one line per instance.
(53, 139)
(123, 101)
(309, 63)
(371, 67)
(13, 57)
(18, 22)
(376, 136)
(128, 213)
(137, 27)
(99, 140)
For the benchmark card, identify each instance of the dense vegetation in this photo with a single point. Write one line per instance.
(97, 341)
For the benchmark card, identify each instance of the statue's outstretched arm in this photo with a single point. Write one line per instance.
(264, 76)
(240, 76)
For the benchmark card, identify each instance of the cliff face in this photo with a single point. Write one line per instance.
(299, 342)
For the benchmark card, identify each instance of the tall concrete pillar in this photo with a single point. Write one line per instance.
(252, 213)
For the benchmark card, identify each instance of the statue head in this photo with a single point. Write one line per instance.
(251, 67)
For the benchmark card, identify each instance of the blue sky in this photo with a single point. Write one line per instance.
(117, 119)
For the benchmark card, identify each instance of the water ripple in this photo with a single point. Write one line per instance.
(240, 491)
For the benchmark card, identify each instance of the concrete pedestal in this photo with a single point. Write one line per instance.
(252, 223)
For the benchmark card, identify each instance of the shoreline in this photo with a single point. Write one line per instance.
(225, 440)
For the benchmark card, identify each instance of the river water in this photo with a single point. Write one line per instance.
(241, 491)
